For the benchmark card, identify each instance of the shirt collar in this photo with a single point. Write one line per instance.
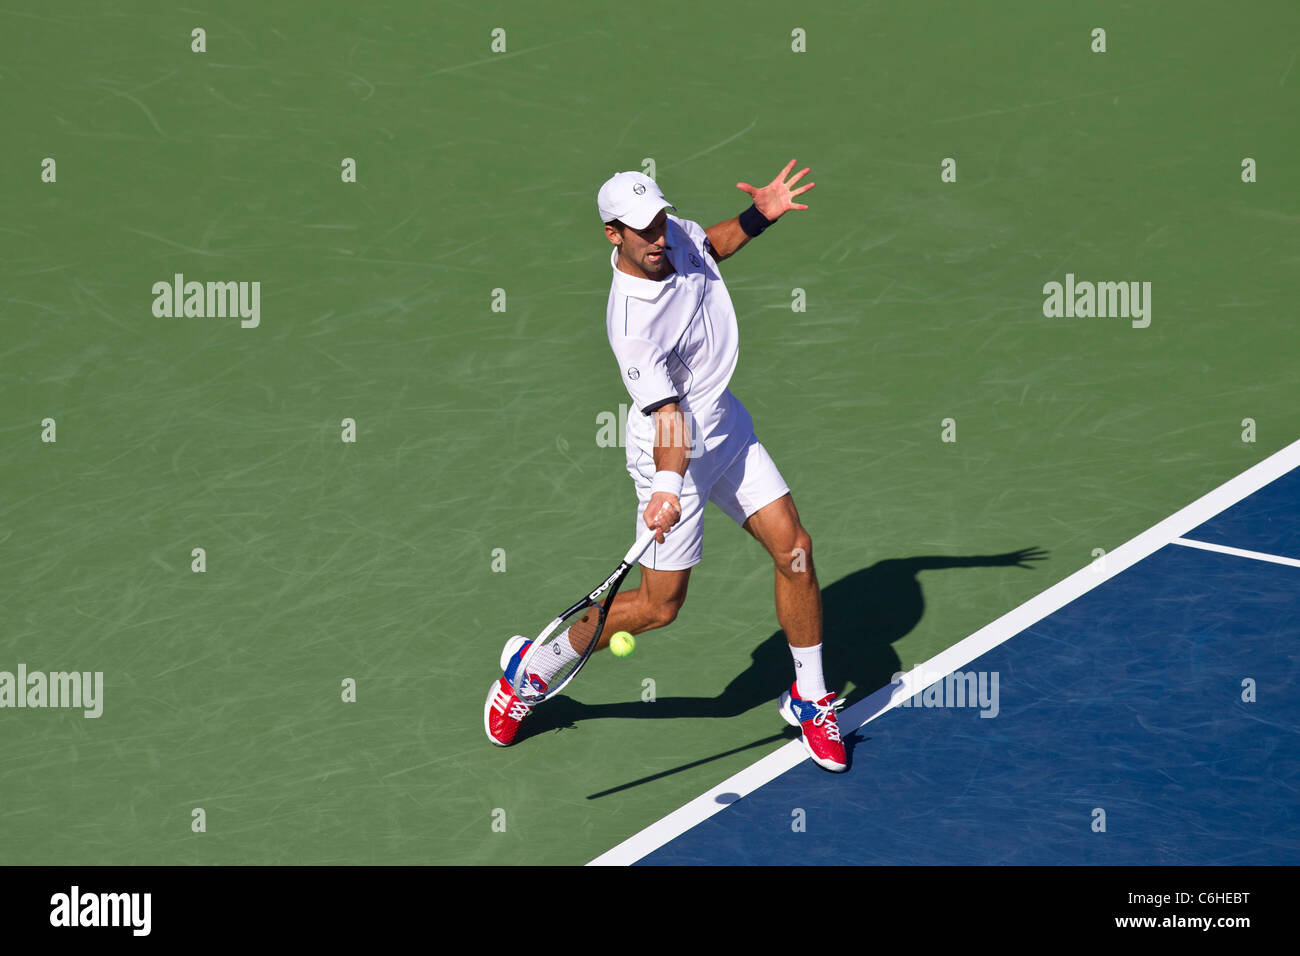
(634, 286)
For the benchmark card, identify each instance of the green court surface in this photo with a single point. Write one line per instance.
(477, 430)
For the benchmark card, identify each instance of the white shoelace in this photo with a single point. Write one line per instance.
(828, 711)
(519, 710)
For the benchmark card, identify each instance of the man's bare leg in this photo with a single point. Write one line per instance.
(653, 604)
(798, 594)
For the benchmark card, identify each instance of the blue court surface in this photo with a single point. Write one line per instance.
(1163, 701)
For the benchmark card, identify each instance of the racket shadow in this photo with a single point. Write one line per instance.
(863, 615)
(789, 734)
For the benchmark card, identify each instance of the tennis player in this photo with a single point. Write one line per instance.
(673, 331)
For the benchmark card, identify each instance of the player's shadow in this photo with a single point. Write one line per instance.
(863, 614)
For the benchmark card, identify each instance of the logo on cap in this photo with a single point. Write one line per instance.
(633, 374)
(639, 189)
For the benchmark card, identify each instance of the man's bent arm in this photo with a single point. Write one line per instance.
(671, 458)
(726, 238)
(770, 203)
(672, 444)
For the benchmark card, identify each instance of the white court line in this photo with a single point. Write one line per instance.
(1236, 552)
(959, 655)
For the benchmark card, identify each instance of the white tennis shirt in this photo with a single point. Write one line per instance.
(677, 341)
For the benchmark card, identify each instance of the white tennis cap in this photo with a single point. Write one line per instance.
(632, 198)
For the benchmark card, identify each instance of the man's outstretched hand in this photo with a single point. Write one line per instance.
(777, 198)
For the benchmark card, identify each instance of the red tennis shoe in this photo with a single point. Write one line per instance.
(821, 731)
(504, 711)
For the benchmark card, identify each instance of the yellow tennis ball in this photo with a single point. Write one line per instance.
(622, 644)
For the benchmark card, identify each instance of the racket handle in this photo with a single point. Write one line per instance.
(642, 545)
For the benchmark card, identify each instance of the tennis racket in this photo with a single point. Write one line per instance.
(580, 626)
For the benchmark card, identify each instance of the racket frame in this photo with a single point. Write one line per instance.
(609, 587)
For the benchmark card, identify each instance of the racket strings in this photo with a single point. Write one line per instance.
(563, 651)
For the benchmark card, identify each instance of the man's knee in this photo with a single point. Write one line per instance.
(664, 611)
(662, 594)
(795, 557)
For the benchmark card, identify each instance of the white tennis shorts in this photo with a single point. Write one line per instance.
(739, 476)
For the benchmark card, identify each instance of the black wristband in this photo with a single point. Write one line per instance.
(753, 222)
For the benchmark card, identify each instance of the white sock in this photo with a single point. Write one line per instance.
(808, 672)
(553, 657)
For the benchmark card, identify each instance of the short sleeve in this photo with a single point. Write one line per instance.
(645, 373)
(694, 231)
(696, 234)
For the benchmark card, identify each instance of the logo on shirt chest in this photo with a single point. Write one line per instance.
(695, 260)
